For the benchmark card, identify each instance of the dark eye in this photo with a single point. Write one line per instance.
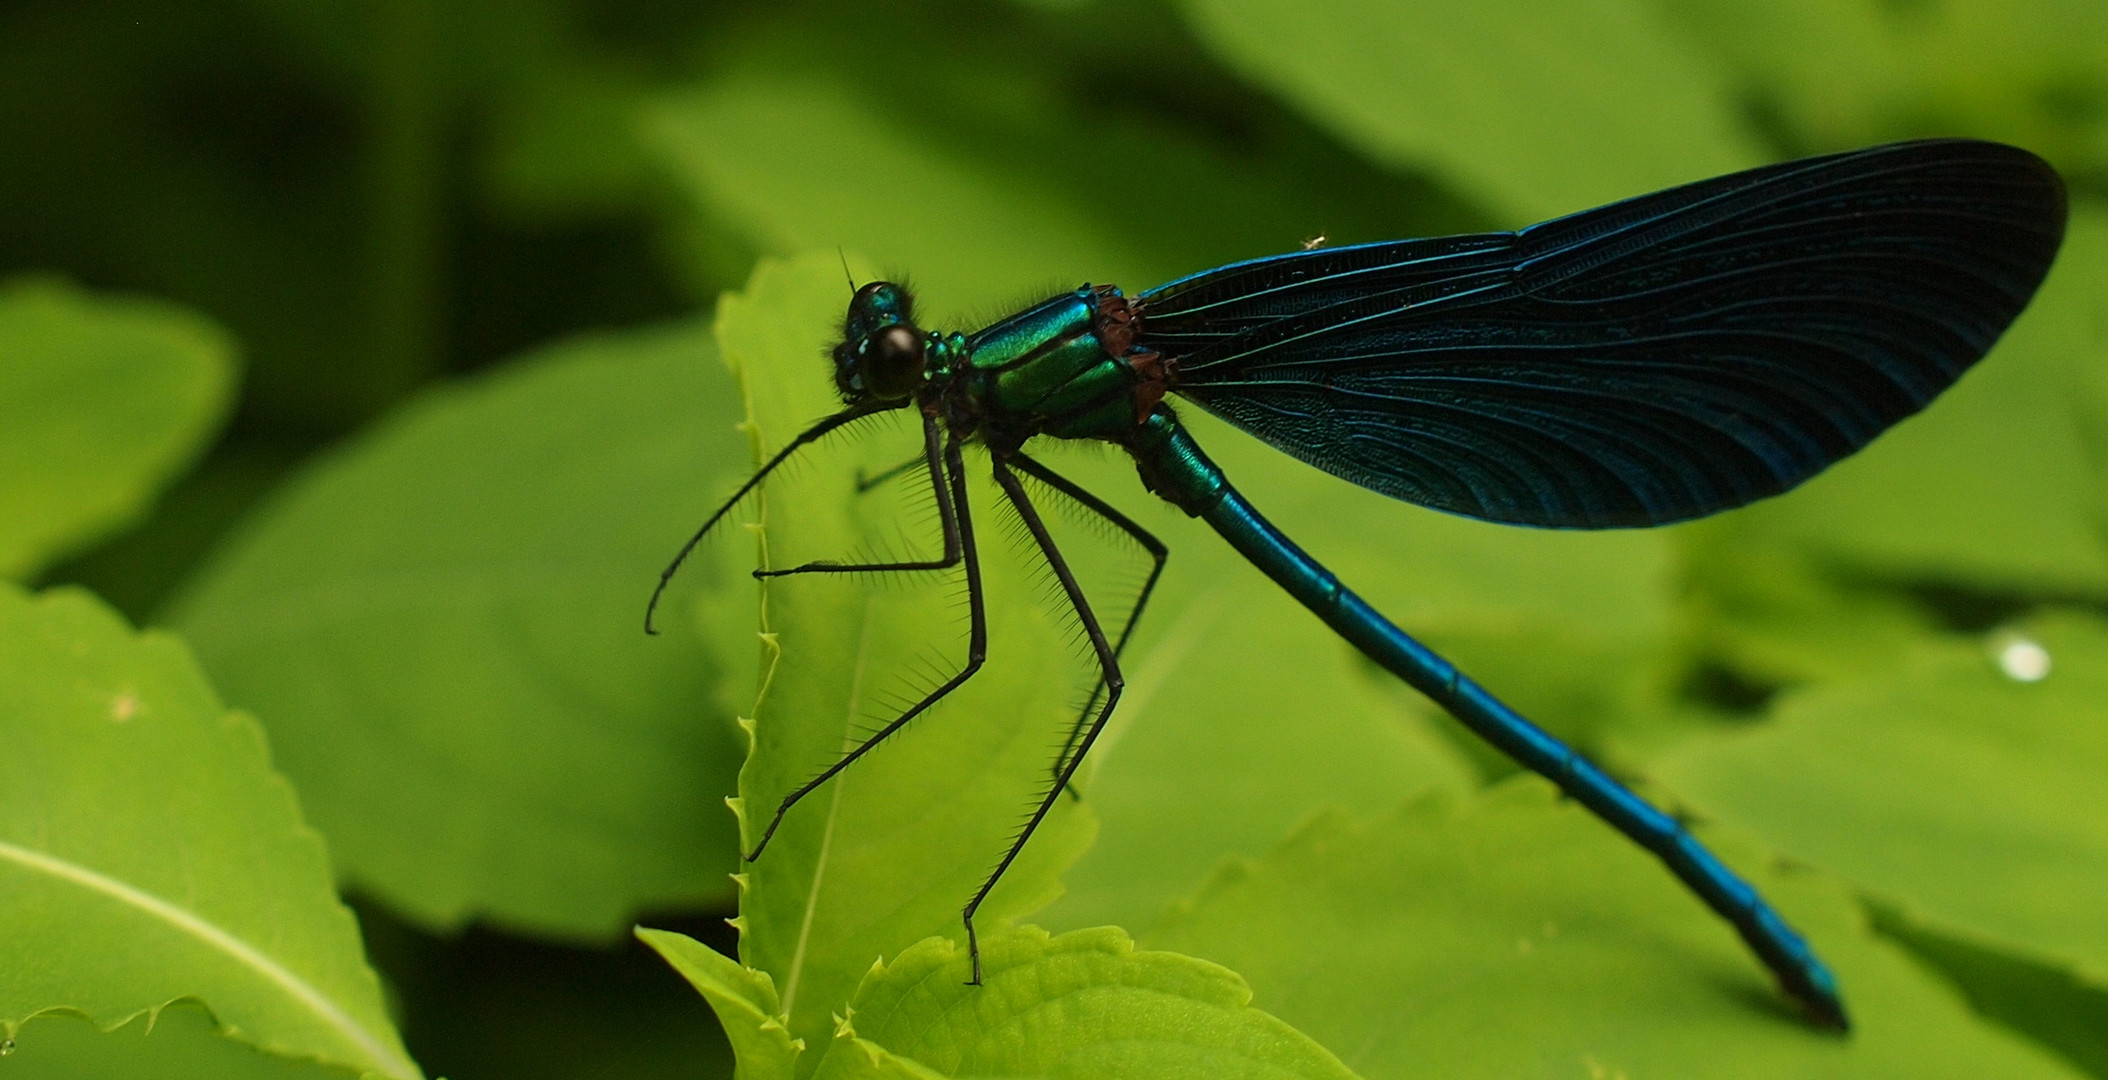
(893, 362)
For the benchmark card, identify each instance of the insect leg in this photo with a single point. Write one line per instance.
(865, 483)
(932, 441)
(958, 529)
(1158, 553)
(809, 436)
(1108, 666)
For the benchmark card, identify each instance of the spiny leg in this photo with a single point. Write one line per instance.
(865, 483)
(806, 438)
(932, 441)
(1158, 553)
(958, 523)
(1109, 668)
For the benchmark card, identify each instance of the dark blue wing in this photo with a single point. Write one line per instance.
(1649, 361)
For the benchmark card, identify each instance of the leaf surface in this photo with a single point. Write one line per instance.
(1947, 786)
(441, 624)
(1540, 108)
(180, 1043)
(148, 852)
(1517, 936)
(1997, 69)
(1082, 1005)
(102, 401)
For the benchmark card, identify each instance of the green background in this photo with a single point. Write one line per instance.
(361, 364)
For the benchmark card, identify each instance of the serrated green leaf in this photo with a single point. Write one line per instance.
(148, 852)
(1946, 785)
(441, 623)
(177, 1043)
(745, 1002)
(1085, 1004)
(853, 1058)
(1518, 936)
(1539, 108)
(890, 851)
(102, 401)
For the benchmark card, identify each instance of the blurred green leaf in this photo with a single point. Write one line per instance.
(987, 181)
(809, 164)
(1965, 794)
(888, 852)
(102, 401)
(2092, 400)
(1538, 107)
(1989, 486)
(1844, 73)
(2047, 1002)
(1570, 627)
(1516, 935)
(137, 570)
(148, 852)
(440, 624)
(1198, 762)
(1084, 1005)
(1766, 615)
(1199, 765)
(179, 1043)
(567, 144)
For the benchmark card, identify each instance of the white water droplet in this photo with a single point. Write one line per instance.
(7, 1046)
(2022, 659)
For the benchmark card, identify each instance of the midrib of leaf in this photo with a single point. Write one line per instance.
(834, 806)
(221, 940)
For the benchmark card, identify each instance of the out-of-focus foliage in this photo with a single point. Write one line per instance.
(1562, 948)
(1620, 106)
(101, 400)
(1839, 778)
(436, 622)
(1830, 74)
(452, 648)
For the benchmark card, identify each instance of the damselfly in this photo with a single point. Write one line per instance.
(1645, 362)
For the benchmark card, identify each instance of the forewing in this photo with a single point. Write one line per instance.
(1649, 361)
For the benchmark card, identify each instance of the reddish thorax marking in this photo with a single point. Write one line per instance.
(1115, 326)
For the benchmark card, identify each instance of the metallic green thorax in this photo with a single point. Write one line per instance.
(1064, 368)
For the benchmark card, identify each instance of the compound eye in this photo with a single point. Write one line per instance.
(893, 362)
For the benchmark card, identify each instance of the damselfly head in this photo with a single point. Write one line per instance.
(881, 353)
